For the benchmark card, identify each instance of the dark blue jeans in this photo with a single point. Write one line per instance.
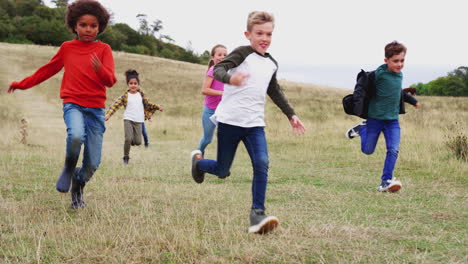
(85, 126)
(145, 134)
(254, 140)
(370, 135)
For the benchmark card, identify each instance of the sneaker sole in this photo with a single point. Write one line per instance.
(349, 136)
(194, 170)
(391, 188)
(394, 188)
(265, 226)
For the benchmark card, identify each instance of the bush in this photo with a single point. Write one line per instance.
(17, 40)
(457, 142)
(138, 49)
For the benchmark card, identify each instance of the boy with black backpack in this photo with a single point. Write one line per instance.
(379, 98)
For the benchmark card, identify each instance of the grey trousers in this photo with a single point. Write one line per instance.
(132, 135)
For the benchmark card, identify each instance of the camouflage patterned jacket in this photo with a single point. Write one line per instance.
(148, 106)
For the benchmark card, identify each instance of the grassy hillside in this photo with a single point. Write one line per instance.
(320, 186)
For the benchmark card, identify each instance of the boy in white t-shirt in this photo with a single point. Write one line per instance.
(249, 73)
(137, 109)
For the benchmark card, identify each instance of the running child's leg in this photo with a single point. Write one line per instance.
(94, 128)
(137, 133)
(74, 121)
(128, 129)
(391, 133)
(256, 145)
(370, 135)
(228, 139)
(208, 129)
(145, 134)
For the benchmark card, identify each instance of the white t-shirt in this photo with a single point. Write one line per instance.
(134, 110)
(244, 106)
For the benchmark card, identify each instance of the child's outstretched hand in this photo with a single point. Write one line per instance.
(95, 62)
(416, 106)
(238, 78)
(161, 108)
(107, 117)
(298, 127)
(13, 87)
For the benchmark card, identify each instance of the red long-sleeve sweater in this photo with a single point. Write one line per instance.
(81, 85)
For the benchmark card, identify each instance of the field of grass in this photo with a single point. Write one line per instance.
(321, 187)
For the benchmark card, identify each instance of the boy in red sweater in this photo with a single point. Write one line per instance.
(89, 69)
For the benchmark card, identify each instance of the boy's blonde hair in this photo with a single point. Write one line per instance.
(259, 17)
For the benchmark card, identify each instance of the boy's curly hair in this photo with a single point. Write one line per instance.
(86, 7)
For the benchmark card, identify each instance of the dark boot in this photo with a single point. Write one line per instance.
(64, 180)
(77, 194)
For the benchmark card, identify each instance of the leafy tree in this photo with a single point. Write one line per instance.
(5, 26)
(114, 37)
(28, 26)
(156, 26)
(166, 38)
(26, 7)
(144, 27)
(8, 7)
(133, 38)
(30, 21)
(52, 32)
(205, 57)
(60, 3)
(454, 84)
(44, 12)
(461, 74)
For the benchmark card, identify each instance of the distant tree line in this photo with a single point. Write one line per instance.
(32, 22)
(454, 84)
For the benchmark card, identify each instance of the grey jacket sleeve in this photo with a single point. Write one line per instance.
(277, 96)
(234, 59)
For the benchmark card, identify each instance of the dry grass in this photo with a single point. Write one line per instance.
(321, 187)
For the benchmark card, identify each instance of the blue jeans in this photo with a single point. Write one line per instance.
(145, 135)
(370, 135)
(85, 125)
(255, 142)
(208, 128)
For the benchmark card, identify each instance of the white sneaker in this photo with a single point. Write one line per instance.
(392, 185)
(354, 131)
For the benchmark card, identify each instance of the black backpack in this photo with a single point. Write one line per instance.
(357, 103)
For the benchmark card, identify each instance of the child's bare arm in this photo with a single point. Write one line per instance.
(206, 87)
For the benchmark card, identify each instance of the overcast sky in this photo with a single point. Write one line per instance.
(316, 32)
(309, 32)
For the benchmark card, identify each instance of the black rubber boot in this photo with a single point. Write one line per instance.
(77, 193)
(64, 180)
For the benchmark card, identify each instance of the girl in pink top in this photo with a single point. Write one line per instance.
(213, 89)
